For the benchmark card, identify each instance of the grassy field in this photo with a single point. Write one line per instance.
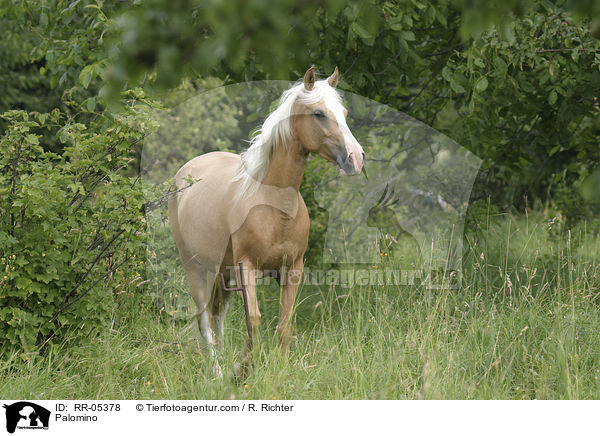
(525, 324)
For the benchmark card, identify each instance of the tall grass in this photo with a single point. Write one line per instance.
(524, 324)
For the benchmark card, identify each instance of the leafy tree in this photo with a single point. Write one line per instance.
(515, 82)
(528, 105)
(21, 84)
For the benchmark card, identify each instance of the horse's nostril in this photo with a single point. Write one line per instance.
(364, 156)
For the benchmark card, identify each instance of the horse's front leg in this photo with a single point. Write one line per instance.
(291, 278)
(253, 317)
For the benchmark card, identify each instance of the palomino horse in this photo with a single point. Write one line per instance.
(247, 209)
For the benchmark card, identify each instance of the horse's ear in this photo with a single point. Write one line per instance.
(334, 78)
(309, 79)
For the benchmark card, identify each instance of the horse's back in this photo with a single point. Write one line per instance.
(207, 166)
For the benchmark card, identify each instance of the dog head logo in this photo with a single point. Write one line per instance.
(26, 415)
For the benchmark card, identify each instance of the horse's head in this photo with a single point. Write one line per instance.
(320, 124)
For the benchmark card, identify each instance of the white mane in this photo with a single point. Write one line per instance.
(276, 132)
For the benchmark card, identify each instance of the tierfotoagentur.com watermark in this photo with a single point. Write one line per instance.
(347, 277)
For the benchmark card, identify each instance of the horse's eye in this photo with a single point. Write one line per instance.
(319, 114)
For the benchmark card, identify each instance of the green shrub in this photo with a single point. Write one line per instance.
(67, 224)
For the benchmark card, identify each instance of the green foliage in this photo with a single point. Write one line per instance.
(527, 106)
(21, 84)
(249, 38)
(514, 82)
(67, 223)
(73, 49)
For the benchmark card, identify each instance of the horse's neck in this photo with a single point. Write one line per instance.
(286, 167)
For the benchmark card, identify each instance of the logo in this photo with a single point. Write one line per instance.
(26, 415)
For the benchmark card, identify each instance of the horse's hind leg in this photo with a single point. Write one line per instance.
(220, 305)
(201, 282)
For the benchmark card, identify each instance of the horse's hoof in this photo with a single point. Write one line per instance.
(237, 370)
(217, 371)
(241, 371)
(286, 342)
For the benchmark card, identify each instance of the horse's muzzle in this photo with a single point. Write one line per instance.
(350, 163)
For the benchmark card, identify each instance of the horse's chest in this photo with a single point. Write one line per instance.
(271, 238)
(279, 253)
